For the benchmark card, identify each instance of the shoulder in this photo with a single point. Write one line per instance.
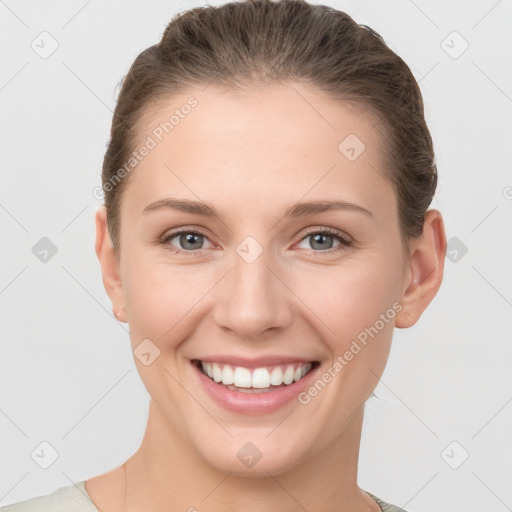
(71, 498)
(385, 507)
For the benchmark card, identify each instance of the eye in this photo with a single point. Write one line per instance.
(321, 240)
(192, 241)
(189, 241)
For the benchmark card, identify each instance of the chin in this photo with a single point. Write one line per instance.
(251, 459)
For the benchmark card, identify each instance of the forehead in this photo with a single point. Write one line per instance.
(272, 143)
(267, 112)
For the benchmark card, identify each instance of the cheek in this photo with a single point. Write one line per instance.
(352, 297)
(160, 298)
(342, 300)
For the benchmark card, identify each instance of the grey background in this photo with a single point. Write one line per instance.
(67, 375)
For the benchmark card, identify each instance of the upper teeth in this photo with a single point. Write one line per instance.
(257, 377)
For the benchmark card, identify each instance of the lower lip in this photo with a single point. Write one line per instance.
(253, 403)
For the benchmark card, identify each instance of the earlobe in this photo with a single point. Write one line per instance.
(425, 272)
(109, 265)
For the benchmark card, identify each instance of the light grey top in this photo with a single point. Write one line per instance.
(71, 498)
(74, 498)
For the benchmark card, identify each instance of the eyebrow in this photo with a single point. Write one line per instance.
(297, 210)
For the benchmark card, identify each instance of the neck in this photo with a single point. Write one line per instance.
(166, 473)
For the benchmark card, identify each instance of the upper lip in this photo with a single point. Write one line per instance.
(256, 362)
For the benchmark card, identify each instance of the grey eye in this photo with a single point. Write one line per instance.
(321, 241)
(188, 240)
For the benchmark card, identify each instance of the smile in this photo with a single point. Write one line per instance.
(253, 380)
(253, 386)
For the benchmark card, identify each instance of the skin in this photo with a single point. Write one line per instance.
(251, 156)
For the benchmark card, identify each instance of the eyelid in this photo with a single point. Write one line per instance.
(183, 229)
(344, 239)
(329, 231)
(168, 235)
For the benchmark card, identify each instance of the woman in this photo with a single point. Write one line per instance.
(265, 228)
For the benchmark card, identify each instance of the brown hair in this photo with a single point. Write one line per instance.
(258, 42)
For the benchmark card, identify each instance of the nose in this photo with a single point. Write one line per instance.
(252, 300)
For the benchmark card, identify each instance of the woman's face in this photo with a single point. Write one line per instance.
(222, 261)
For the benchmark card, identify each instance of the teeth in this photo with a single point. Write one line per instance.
(242, 378)
(217, 374)
(209, 371)
(228, 375)
(258, 378)
(276, 377)
(288, 375)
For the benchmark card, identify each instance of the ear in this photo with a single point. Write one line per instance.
(425, 270)
(109, 262)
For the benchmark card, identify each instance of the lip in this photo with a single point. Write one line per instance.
(253, 403)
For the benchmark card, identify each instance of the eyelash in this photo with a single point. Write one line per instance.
(345, 242)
